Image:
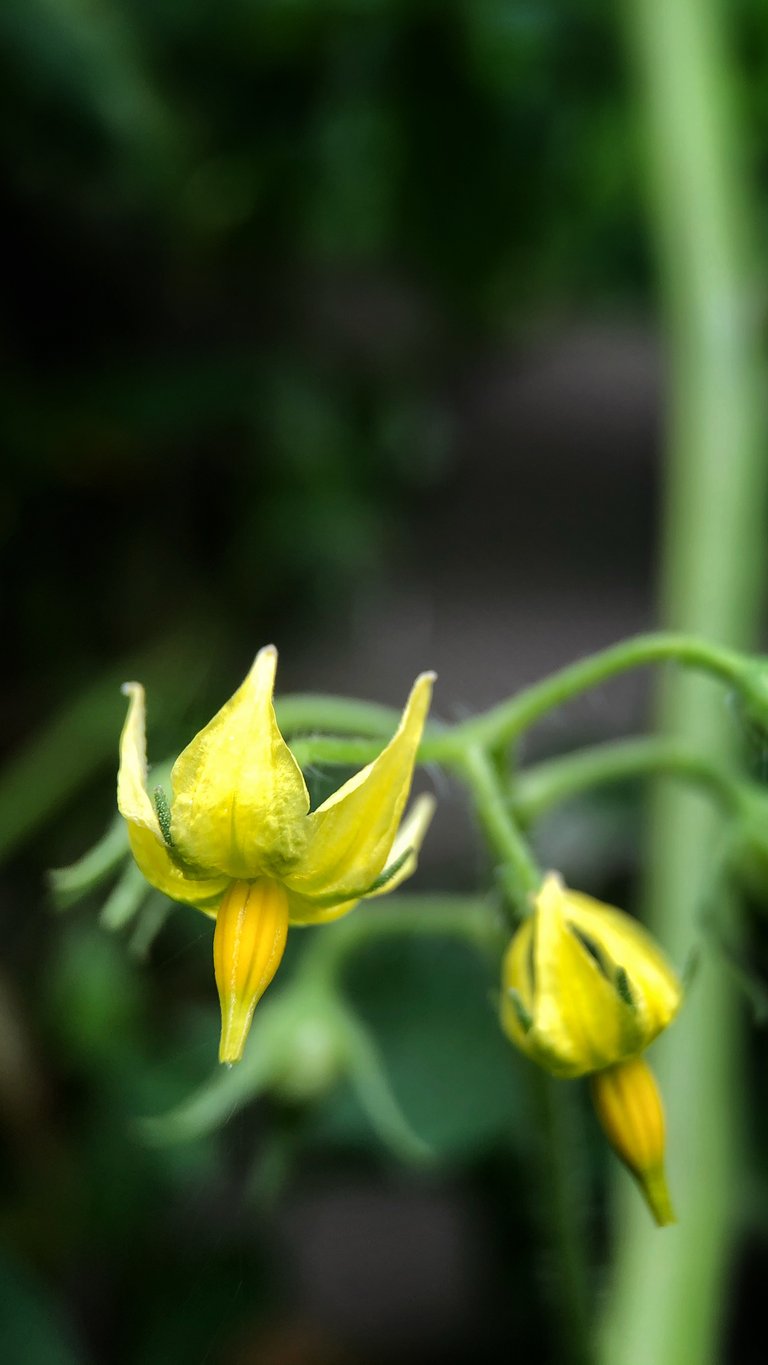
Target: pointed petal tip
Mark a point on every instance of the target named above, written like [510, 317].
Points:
[554, 881]
[425, 680]
[549, 893]
[426, 803]
[264, 666]
[418, 819]
[420, 696]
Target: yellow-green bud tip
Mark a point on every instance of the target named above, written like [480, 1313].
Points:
[628, 1104]
[656, 1194]
[248, 944]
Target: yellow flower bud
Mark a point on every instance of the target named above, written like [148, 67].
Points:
[628, 1105]
[584, 986]
[248, 944]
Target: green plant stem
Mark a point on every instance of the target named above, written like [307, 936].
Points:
[354, 753]
[536, 790]
[558, 1155]
[473, 919]
[555, 1152]
[666, 1304]
[518, 873]
[502, 724]
[306, 711]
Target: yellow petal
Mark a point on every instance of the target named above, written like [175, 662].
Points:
[305, 910]
[627, 944]
[147, 843]
[350, 837]
[410, 836]
[580, 1022]
[517, 1002]
[239, 797]
[407, 845]
[156, 864]
[248, 944]
[132, 797]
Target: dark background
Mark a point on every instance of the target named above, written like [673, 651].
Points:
[331, 324]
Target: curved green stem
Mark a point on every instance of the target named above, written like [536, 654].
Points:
[498, 727]
[307, 712]
[436, 747]
[336, 753]
[537, 790]
[504, 723]
[471, 918]
[519, 874]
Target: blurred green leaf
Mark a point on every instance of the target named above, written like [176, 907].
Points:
[33, 1327]
[94, 994]
[71, 884]
[83, 737]
[449, 1067]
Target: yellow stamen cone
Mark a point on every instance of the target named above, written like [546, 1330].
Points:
[628, 1104]
[248, 944]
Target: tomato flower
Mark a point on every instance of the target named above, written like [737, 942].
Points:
[238, 841]
[585, 991]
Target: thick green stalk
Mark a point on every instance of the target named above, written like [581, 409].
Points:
[667, 1300]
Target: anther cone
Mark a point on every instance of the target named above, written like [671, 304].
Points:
[628, 1104]
[248, 944]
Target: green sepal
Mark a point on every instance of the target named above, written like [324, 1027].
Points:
[163, 811]
[624, 989]
[524, 1019]
[71, 884]
[690, 969]
[389, 872]
[125, 900]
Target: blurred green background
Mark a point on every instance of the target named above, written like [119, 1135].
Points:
[331, 324]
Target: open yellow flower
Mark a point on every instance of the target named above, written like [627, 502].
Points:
[586, 990]
[238, 840]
